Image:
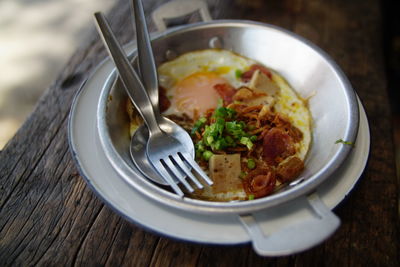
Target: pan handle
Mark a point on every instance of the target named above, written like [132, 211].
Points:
[179, 8]
[297, 237]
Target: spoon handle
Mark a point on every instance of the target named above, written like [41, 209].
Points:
[147, 65]
[129, 78]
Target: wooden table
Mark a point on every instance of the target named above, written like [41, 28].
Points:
[49, 216]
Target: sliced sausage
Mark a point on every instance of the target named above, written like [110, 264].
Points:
[260, 182]
[226, 92]
[277, 145]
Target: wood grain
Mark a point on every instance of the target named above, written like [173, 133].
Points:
[48, 215]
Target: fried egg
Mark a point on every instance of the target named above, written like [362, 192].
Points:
[190, 78]
[189, 81]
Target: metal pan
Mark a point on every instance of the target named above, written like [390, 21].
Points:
[307, 68]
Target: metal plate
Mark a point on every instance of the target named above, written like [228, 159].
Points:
[307, 68]
[133, 206]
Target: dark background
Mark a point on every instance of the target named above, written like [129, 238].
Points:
[391, 39]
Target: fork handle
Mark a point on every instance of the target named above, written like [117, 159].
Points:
[134, 87]
[147, 65]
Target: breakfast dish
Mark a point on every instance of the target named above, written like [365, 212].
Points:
[251, 130]
[107, 184]
[101, 149]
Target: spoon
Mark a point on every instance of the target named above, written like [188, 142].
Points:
[148, 74]
[168, 154]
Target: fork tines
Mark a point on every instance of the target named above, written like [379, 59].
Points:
[176, 167]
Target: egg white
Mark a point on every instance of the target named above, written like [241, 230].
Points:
[224, 63]
[295, 108]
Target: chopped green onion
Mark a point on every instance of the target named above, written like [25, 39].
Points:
[220, 144]
[207, 154]
[249, 145]
[199, 146]
[251, 197]
[247, 142]
[219, 126]
[224, 132]
[244, 140]
[344, 142]
[235, 129]
[209, 140]
[238, 74]
[231, 113]
[224, 113]
[242, 175]
[220, 113]
[251, 164]
[199, 124]
[229, 140]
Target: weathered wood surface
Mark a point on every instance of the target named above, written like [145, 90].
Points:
[48, 215]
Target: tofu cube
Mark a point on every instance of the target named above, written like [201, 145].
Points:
[225, 171]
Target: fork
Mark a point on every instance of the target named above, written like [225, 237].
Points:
[147, 71]
[167, 154]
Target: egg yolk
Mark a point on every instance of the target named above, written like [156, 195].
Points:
[195, 94]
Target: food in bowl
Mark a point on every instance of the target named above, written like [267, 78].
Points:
[251, 130]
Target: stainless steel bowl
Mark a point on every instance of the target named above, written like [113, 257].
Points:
[307, 68]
